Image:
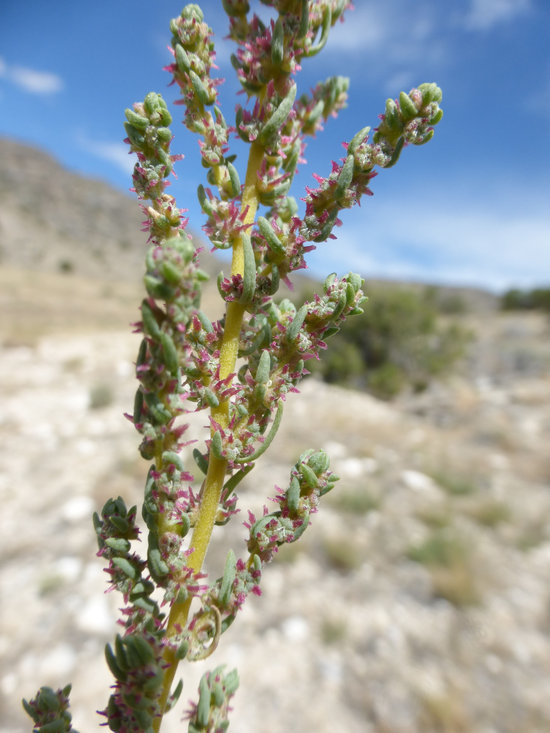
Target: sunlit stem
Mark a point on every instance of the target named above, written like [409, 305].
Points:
[215, 477]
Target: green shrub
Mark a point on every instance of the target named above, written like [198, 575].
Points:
[454, 483]
[401, 340]
[516, 299]
[356, 501]
[490, 513]
[342, 553]
[448, 557]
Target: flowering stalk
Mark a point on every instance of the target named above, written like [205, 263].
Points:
[238, 369]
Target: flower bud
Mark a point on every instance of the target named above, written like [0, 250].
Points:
[182, 59]
[309, 476]
[319, 462]
[430, 93]
[136, 120]
[407, 106]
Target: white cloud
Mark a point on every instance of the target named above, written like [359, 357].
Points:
[394, 39]
[33, 81]
[36, 82]
[539, 101]
[496, 247]
[116, 153]
[366, 28]
[484, 14]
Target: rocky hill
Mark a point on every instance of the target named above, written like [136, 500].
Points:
[54, 221]
[418, 600]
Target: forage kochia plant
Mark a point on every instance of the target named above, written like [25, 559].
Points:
[240, 368]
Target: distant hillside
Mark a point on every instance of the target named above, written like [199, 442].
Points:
[55, 221]
[52, 220]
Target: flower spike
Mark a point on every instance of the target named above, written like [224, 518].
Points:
[238, 370]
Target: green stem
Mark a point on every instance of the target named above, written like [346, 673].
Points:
[215, 477]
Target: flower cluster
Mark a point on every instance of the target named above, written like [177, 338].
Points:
[49, 710]
[239, 369]
[410, 120]
[209, 715]
[149, 137]
[267, 53]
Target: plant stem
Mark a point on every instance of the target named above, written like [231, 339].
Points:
[213, 483]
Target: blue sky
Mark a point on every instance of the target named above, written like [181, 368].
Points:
[471, 208]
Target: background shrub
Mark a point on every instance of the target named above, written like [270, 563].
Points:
[536, 299]
[401, 340]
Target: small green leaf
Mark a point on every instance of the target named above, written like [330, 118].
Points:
[264, 367]
[228, 579]
[345, 177]
[138, 406]
[170, 353]
[203, 708]
[157, 567]
[200, 90]
[112, 662]
[277, 43]
[135, 119]
[171, 457]
[309, 475]
[278, 118]
[200, 460]
[271, 238]
[126, 566]
[268, 438]
[296, 324]
[211, 398]
[150, 325]
[325, 28]
[204, 201]
[234, 178]
[118, 544]
[408, 107]
[249, 274]
[293, 496]
[216, 445]
[182, 59]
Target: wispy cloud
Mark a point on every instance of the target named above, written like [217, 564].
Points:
[393, 38]
[115, 153]
[539, 100]
[496, 247]
[485, 14]
[34, 81]
[400, 39]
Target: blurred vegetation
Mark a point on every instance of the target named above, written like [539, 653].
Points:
[455, 483]
[405, 338]
[341, 554]
[449, 558]
[356, 501]
[536, 299]
[101, 395]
